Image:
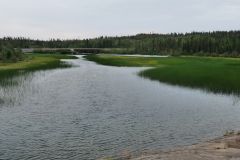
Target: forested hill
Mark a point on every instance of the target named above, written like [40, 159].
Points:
[220, 42]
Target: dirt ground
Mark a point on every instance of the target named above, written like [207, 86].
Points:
[225, 148]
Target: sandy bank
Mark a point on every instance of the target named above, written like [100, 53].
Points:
[225, 148]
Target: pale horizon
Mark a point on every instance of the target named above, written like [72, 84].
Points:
[74, 19]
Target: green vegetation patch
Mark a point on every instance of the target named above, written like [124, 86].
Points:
[33, 62]
[209, 73]
[116, 60]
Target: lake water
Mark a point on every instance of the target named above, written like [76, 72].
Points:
[92, 111]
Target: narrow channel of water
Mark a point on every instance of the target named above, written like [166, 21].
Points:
[91, 111]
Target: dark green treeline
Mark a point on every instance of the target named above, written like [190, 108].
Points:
[213, 43]
[9, 53]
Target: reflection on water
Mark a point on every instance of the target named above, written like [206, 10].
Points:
[234, 94]
[15, 84]
[218, 89]
[92, 111]
[13, 90]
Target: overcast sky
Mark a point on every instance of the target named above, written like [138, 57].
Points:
[67, 19]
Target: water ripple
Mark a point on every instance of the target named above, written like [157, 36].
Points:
[92, 111]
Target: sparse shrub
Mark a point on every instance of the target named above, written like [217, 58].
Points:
[8, 53]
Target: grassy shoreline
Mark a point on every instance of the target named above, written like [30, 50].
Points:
[33, 62]
[216, 74]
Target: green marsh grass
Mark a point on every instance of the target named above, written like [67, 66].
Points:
[33, 62]
[216, 74]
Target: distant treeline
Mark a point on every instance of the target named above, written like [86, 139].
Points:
[211, 43]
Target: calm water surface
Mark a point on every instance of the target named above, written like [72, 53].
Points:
[91, 111]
